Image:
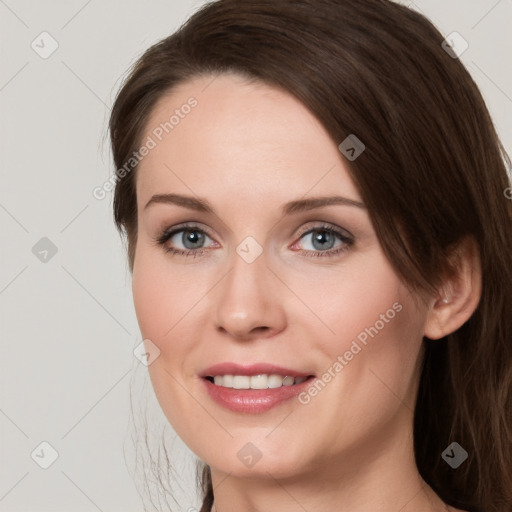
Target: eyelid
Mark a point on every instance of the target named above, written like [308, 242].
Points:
[320, 224]
[184, 227]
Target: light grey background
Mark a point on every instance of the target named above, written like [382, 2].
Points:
[68, 327]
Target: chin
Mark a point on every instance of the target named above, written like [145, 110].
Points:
[259, 460]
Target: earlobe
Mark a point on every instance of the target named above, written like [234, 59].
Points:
[458, 295]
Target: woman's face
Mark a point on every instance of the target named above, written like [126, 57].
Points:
[271, 276]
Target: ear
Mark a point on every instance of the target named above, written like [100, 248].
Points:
[459, 294]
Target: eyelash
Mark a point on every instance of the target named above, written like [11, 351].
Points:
[168, 234]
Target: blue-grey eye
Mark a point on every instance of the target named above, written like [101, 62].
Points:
[322, 239]
[190, 239]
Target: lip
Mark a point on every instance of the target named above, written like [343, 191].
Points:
[252, 401]
[249, 370]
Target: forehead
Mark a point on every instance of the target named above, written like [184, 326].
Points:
[222, 131]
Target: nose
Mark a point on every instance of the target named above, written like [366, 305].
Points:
[250, 302]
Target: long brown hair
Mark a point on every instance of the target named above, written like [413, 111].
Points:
[433, 172]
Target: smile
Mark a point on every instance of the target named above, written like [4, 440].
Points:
[262, 381]
[255, 388]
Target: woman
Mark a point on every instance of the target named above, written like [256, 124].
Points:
[313, 196]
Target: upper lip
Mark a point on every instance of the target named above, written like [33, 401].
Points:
[249, 370]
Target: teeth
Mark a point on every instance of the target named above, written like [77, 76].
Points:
[275, 381]
[288, 381]
[259, 382]
[256, 381]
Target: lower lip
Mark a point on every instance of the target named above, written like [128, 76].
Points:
[254, 401]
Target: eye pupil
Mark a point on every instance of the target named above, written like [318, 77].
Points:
[194, 237]
[325, 238]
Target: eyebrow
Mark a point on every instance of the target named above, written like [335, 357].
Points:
[300, 205]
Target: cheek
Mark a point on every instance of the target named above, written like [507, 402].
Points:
[379, 316]
[374, 340]
[162, 297]
[161, 303]
[351, 300]
[147, 291]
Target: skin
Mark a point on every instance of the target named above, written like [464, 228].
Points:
[248, 149]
